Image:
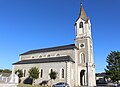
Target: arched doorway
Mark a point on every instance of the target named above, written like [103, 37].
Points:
[82, 77]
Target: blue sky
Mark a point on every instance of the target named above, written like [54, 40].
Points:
[34, 24]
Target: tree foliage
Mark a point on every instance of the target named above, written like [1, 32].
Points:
[34, 73]
[7, 71]
[1, 70]
[113, 66]
[53, 75]
[19, 73]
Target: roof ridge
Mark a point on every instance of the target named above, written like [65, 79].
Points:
[54, 46]
[50, 49]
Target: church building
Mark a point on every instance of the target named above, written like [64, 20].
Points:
[74, 63]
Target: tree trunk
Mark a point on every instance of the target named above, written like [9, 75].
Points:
[51, 82]
[33, 82]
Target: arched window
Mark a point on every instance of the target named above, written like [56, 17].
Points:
[33, 57]
[41, 73]
[82, 56]
[48, 55]
[57, 54]
[40, 56]
[51, 70]
[24, 73]
[62, 73]
[81, 25]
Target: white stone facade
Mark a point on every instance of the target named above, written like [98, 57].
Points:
[79, 69]
[46, 70]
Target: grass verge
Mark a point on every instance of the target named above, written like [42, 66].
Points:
[27, 85]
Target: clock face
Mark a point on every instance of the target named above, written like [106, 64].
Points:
[81, 45]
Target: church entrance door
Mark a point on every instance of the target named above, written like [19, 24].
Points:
[82, 77]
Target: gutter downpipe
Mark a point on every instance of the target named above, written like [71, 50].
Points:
[66, 71]
[87, 73]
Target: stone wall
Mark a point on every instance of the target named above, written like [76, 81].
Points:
[52, 54]
[56, 66]
[8, 85]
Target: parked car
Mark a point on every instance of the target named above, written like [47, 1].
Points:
[118, 85]
[61, 84]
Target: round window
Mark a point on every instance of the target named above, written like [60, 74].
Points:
[81, 45]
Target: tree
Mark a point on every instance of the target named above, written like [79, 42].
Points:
[1, 70]
[34, 73]
[19, 73]
[53, 75]
[7, 71]
[113, 66]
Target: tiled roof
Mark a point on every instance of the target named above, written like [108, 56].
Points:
[46, 60]
[65, 47]
[101, 74]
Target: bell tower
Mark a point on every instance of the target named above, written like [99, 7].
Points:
[84, 51]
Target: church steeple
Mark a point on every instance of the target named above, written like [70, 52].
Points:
[83, 25]
[82, 14]
[84, 51]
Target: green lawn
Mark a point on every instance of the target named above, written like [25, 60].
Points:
[27, 85]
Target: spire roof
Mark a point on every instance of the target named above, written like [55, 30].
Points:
[82, 14]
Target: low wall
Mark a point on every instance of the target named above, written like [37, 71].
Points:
[8, 85]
